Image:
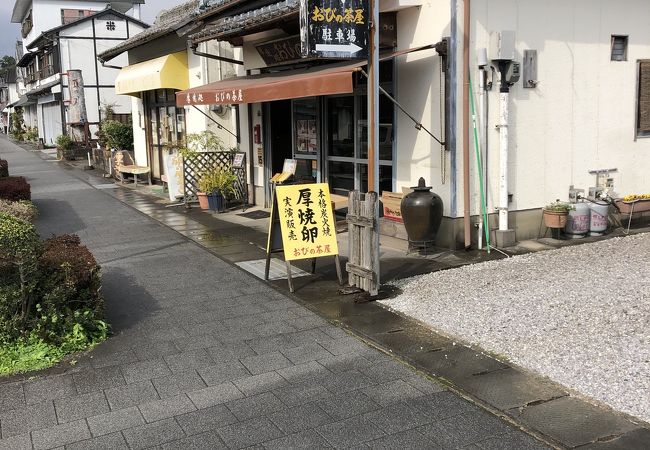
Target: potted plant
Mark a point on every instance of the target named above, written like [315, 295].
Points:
[214, 186]
[64, 146]
[555, 214]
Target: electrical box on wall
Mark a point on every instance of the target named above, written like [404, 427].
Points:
[502, 45]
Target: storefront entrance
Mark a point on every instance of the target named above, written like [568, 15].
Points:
[166, 127]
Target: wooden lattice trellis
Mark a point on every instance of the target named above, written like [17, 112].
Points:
[195, 166]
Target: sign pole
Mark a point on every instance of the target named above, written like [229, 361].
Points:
[373, 113]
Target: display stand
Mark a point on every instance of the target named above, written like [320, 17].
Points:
[275, 243]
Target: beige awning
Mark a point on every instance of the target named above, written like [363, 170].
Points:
[166, 72]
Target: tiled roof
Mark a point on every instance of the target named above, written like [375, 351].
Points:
[166, 22]
[247, 21]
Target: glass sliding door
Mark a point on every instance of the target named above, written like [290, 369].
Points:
[167, 127]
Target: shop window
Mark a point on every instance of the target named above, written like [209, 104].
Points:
[643, 99]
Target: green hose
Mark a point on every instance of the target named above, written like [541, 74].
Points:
[480, 168]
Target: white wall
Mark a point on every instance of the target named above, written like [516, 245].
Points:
[418, 90]
[47, 14]
[582, 114]
[139, 133]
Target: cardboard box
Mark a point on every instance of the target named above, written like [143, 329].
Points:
[391, 202]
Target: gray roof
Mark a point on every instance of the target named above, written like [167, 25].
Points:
[248, 21]
[166, 22]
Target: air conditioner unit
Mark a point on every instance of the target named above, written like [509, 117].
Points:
[220, 110]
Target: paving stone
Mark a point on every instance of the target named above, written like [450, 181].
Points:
[19, 442]
[397, 417]
[392, 392]
[145, 370]
[423, 384]
[205, 341]
[385, 371]
[343, 345]
[131, 394]
[178, 383]
[462, 430]
[269, 329]
[257, 384]
[521, 441]
[155, 349]
[230, 351]
[191, 359]
[48, 389]
[300, 418]
[222, 372]
[115, 421]
[635, 439]
[11, 396]
[60, 435]
[304, 372]
[306, 440]
[309, 352]
[153, 434]
[346, 405]
[96, 380]
[271, 344]
[410, 439]
[169, 407]
[25, 419]
[343, 363]
[442, 405]
[74, 408]
[257, 405]
[265, 363]
[345, 433]
[205, 419]
[511, 388]
[209, 440]
[574, 422]
[113, 441]
[215, 395]
[297, 394]
[114, 359]
[346, 381]
[251, 432]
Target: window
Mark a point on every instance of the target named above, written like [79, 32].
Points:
[619, 48]
[72, 15]
[643, 99]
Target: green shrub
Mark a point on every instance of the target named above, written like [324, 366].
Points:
[31, 134]
[4, 168]
[19, 249]
[117, 135]
[17, 131]
[23, 209]
[15, 189]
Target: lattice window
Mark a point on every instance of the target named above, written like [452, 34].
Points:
[195, 166]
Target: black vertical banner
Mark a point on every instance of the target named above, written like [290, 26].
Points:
[334, 28]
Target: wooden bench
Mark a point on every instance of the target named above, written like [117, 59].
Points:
[124, 164]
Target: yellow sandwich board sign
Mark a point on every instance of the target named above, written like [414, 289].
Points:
[306, 221]
[302, 226]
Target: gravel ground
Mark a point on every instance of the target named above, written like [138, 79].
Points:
[579, 315]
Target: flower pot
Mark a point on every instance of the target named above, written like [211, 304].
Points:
[216, 202]
[554, 219]
[203, 200]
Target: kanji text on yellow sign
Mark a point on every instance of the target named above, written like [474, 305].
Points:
[306, 221]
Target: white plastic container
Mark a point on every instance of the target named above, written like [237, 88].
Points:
[577, 225]
[598, 219]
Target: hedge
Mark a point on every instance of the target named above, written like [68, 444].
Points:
[15, 189]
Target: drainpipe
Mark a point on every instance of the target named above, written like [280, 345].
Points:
[466, 137]
[483, 114]
[503, 144]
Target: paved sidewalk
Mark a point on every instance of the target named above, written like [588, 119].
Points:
[206, 356]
